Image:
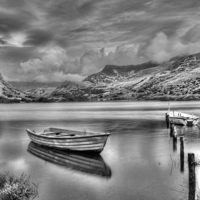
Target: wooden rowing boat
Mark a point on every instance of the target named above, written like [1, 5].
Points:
[65, 139]
[182, 118]
[88, 163]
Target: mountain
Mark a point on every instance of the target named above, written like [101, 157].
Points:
[113, 73]
[112, 83]
[180, 81]
[177, 79]
[75, 91]
[33, 85]
[38, 89]
[9, 94]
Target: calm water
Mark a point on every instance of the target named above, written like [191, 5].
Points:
[139, 161]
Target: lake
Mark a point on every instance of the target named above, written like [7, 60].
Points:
[139, 160]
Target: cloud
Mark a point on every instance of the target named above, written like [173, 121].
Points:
[192, 35]
[91, 62]
[72, 39]
[94, 61]
[14, 54]
[161, 48]
[3, 42]
[54, 62]
[38, 37]
[126, 54]
[14, 20]
[70, 10]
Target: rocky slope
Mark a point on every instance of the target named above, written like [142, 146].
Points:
[77, 91]
[96, 86]
[36, 88]
[9, 94]
[177, 79]
[113, 73]
[180, 81]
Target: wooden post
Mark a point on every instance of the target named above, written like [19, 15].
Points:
[192, 179]
[171, 129]
[167, 119]
[182, 154]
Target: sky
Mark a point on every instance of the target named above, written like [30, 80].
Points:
[59, 40]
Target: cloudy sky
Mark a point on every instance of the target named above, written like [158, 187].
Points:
[58, 40]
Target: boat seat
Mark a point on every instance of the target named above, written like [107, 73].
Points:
[58, 134]
[65, 134]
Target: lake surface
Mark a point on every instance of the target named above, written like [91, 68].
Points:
[139, 160]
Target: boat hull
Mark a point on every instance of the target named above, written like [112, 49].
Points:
[74, 142]
[183, 119]
[178, 121]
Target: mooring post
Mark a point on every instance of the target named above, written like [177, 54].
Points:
[192, 179]
[167, 119]
[171, 129]
[182, 154]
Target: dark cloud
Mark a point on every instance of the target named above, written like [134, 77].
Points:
[14, 20]
[38, 37]
[13, 4]
[192, 35]
[81, 30]
[73, 38]
[71, 9]
[180, 4]
[15, 54]
[2, 41]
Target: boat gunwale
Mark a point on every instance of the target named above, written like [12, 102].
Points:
[174, 117]
[182, 116]
[68, 137]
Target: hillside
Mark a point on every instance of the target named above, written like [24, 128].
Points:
[76, 91]
[177, 79]
[113, 73]
[33, 85]
[180, 81]
[9, 94]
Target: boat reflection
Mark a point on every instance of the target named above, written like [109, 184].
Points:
[84, 162]
[188, 131]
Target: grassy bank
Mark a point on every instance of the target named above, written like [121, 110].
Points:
[17, 188]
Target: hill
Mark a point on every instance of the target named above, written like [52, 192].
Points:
[177, 79]
[10, 94]
[112, 73]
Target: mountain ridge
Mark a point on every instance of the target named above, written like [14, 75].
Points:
[169, 80]
[119, 72]
[176, 79]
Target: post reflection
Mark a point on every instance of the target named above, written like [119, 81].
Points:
[84, 162]
[174, 144]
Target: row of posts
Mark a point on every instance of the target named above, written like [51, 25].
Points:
[191, 159]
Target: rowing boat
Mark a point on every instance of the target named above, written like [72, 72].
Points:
[182, 118]
[65, 139]
[83, 162]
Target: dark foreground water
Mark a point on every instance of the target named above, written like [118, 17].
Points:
[139, 161]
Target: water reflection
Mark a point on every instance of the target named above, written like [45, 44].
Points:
[190, 131]
[145, 162]
[84, 162]
[174, 144]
